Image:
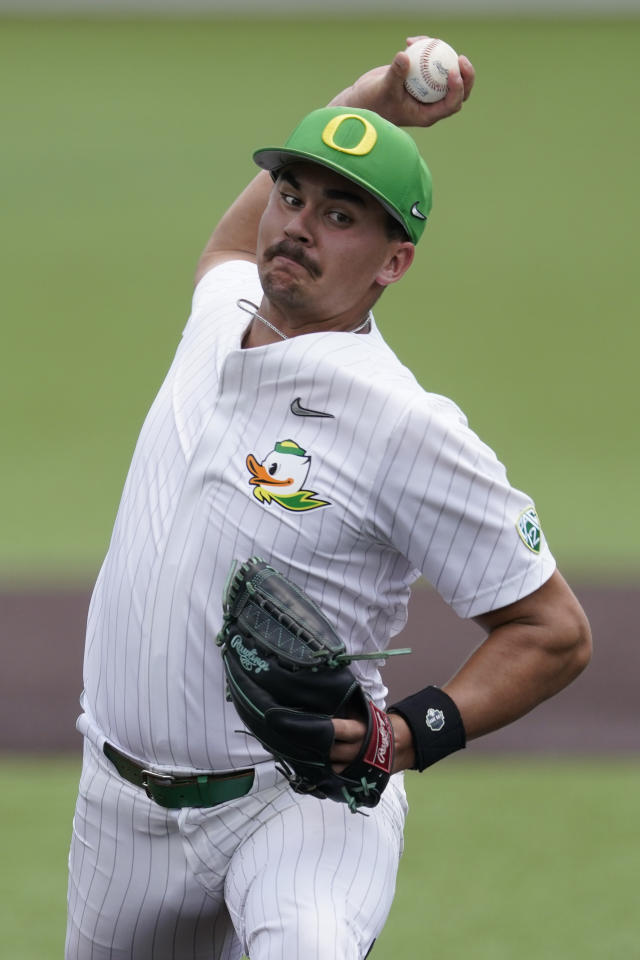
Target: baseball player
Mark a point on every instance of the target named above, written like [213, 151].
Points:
[286, 428]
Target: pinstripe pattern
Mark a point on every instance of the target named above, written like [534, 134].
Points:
[407, 489]
[132, 892]
[411, 490]
[291, 872]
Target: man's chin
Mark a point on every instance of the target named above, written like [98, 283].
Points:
[280, 288]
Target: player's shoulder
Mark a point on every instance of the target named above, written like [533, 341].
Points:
[370, 370]
[438, 406]
[214, 258]
[385, 372]
[367, 357]
[223, 278]
[217, 292]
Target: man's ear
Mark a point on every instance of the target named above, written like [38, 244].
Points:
[398, 262]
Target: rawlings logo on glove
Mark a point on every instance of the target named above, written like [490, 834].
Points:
[249, 659]
[288, 675]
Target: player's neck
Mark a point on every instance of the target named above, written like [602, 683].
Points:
[271, 325]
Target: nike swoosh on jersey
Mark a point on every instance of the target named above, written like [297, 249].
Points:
[300, 411]
[416, 212]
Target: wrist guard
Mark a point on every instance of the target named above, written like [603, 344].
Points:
[435, 723]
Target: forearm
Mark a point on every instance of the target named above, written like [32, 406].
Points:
[533, 649]
[515, 669]
[506, 677]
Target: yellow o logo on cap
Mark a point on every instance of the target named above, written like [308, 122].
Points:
[367, 142]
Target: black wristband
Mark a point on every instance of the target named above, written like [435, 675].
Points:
[435, 723]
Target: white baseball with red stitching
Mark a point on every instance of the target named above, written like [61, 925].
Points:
[431, 60]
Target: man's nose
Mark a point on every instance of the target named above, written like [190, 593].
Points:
[298, 227]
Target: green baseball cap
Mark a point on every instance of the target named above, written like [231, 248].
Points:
[363, 147]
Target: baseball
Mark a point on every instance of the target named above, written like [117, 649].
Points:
[431, 60]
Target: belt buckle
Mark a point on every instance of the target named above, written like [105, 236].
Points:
[150, 779]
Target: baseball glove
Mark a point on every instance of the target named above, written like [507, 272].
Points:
[288, 675]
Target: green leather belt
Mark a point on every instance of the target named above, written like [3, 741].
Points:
[175, 792]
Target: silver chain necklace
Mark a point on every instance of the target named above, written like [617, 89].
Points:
[251, 309]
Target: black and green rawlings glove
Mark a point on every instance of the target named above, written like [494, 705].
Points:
[288, 675]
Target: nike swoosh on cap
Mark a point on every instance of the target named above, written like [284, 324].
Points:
[416, 212]
[300, 411]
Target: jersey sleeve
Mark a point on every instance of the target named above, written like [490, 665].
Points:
[443, 500]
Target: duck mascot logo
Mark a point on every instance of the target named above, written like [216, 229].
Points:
[281, 477]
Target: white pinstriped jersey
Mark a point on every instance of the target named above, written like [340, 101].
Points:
[354, 505]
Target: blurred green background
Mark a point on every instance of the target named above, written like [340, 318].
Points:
[122, 144]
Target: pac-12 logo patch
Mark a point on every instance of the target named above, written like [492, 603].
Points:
[281, 477]
[528, 527]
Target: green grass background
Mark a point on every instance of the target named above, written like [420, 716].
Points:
[503, 859]
[123, 142]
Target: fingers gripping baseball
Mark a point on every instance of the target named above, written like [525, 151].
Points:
[467, 71]
[382, 89]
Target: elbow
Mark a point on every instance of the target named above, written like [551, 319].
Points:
[583, 647]
[573, 643]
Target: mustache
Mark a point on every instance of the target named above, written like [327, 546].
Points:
[293, 250]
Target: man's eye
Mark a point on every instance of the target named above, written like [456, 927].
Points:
[339, 217]
[290, 200]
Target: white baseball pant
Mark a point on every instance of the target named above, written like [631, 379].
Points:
[273, 874]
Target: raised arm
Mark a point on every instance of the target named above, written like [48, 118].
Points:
[380, 89]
